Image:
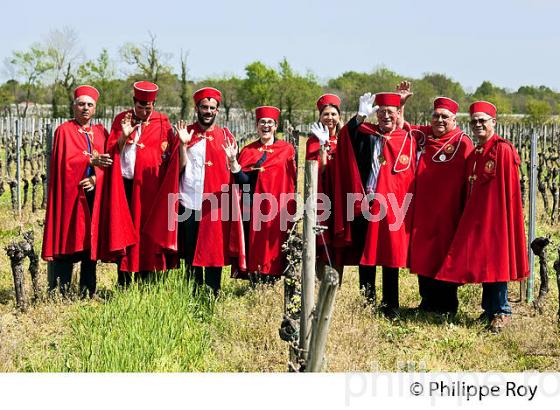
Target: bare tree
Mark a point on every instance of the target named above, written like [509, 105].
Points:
[64, 56]
[149, 61]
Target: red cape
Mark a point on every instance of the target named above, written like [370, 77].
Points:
[325, 186]
[142, 255]
[385, 244]
[489, 244]
[214, 229]
[439, 199]
[70, 226]
[278, 176]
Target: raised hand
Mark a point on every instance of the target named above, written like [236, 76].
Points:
[366, 107]
[231, 150]
[405, 91]
[126, 124]
[321, 132]
[88, 183]
[181, 130]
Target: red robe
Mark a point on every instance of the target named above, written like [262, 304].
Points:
[213, 231]
[277, 176]
[324, 186]
[439, 199]
[385, 245]
[70, 226]
[489, 244]
[155, 137]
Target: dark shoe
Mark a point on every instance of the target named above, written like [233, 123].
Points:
[499, 322]
[389, 312]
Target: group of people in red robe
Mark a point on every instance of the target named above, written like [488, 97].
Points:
[422, 198]
[148, 194]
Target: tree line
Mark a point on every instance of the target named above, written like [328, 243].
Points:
[49, 70]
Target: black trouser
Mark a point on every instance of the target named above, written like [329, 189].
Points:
[390, 286]
[62, 273]
[211, 276]
[125, 278]
[62, 266]
[438, 296]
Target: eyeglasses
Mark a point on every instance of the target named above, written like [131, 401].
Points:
[264, 123]
[474, 122]
[383, 113]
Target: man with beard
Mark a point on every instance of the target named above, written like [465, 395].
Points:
[439, 200]
[76, 172]
[489, 245]
[198, 171]
[376, 160]
[138, 140]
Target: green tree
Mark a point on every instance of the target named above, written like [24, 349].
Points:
[538, 111]
[30, 68]
[101, 73]
[259, 86]
[230, 86]
[349, 87]
[296, 92]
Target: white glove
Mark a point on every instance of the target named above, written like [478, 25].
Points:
[321, 132]
[366, 107]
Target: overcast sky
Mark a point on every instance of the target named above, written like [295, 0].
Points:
[509, 43]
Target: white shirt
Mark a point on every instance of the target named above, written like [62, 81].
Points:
[191, 185]
[128, 155]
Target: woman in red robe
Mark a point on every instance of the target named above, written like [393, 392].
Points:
[266, 171]
[321, 146]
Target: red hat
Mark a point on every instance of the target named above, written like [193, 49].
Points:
[145, 91]
[207, 92]
[267, 112]
[483, 106]
[392, 99]
[327, 99]
[86, 90]
[447, 103]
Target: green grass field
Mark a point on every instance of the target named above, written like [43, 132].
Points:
[162, 327]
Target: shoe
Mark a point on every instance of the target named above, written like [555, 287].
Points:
[499, 322]
[389, 312]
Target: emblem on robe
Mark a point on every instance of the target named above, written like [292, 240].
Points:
[403, 159]
[489, 166]
[450, 149]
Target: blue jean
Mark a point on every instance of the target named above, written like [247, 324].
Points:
[494, 299]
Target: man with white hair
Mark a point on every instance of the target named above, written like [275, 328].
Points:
[376, 160]
[439, 200]
[489, 245]
[76, 169]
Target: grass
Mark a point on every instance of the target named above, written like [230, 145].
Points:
[163, 328]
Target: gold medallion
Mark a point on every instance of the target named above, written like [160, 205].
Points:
[489, 166]
[403, 159]
[449, 149]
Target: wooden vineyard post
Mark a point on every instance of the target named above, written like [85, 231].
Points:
[532, 215]
[309, 253]
[322, 320]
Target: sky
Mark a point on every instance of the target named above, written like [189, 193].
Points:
[510, 43]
